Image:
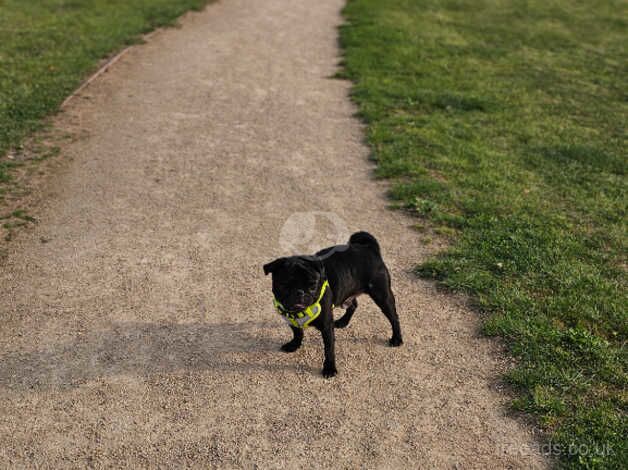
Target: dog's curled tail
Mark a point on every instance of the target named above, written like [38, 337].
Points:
[364, 238]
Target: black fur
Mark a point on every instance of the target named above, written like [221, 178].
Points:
[353, 269]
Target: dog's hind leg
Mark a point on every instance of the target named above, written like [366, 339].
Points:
[295, 343]
[382, 295]
[343, 321]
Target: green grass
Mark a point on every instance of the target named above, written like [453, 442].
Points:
[48, 46]
[502, 124]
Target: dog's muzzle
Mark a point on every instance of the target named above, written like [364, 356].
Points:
[306, 316]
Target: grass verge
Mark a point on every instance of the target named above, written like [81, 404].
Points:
[502, 123]
[48, 46]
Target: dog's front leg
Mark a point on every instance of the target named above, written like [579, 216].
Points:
[326, 328]
[295, 343]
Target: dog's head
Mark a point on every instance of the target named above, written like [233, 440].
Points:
[297, 280]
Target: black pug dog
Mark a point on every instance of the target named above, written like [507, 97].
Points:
[335, 276]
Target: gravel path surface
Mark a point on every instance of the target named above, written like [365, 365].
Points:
[142, 333]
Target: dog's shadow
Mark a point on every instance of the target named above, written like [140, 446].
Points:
[144, 349]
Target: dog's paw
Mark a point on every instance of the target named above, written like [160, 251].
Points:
[329, 372]
[340, 323]
[290, 347]
[395, 342]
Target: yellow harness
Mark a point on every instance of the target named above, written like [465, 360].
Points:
[303, 318]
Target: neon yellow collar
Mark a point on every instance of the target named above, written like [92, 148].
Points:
[303, 318]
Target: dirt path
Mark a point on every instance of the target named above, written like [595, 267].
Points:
[142, 331]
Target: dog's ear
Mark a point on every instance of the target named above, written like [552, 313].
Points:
[273, 265]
